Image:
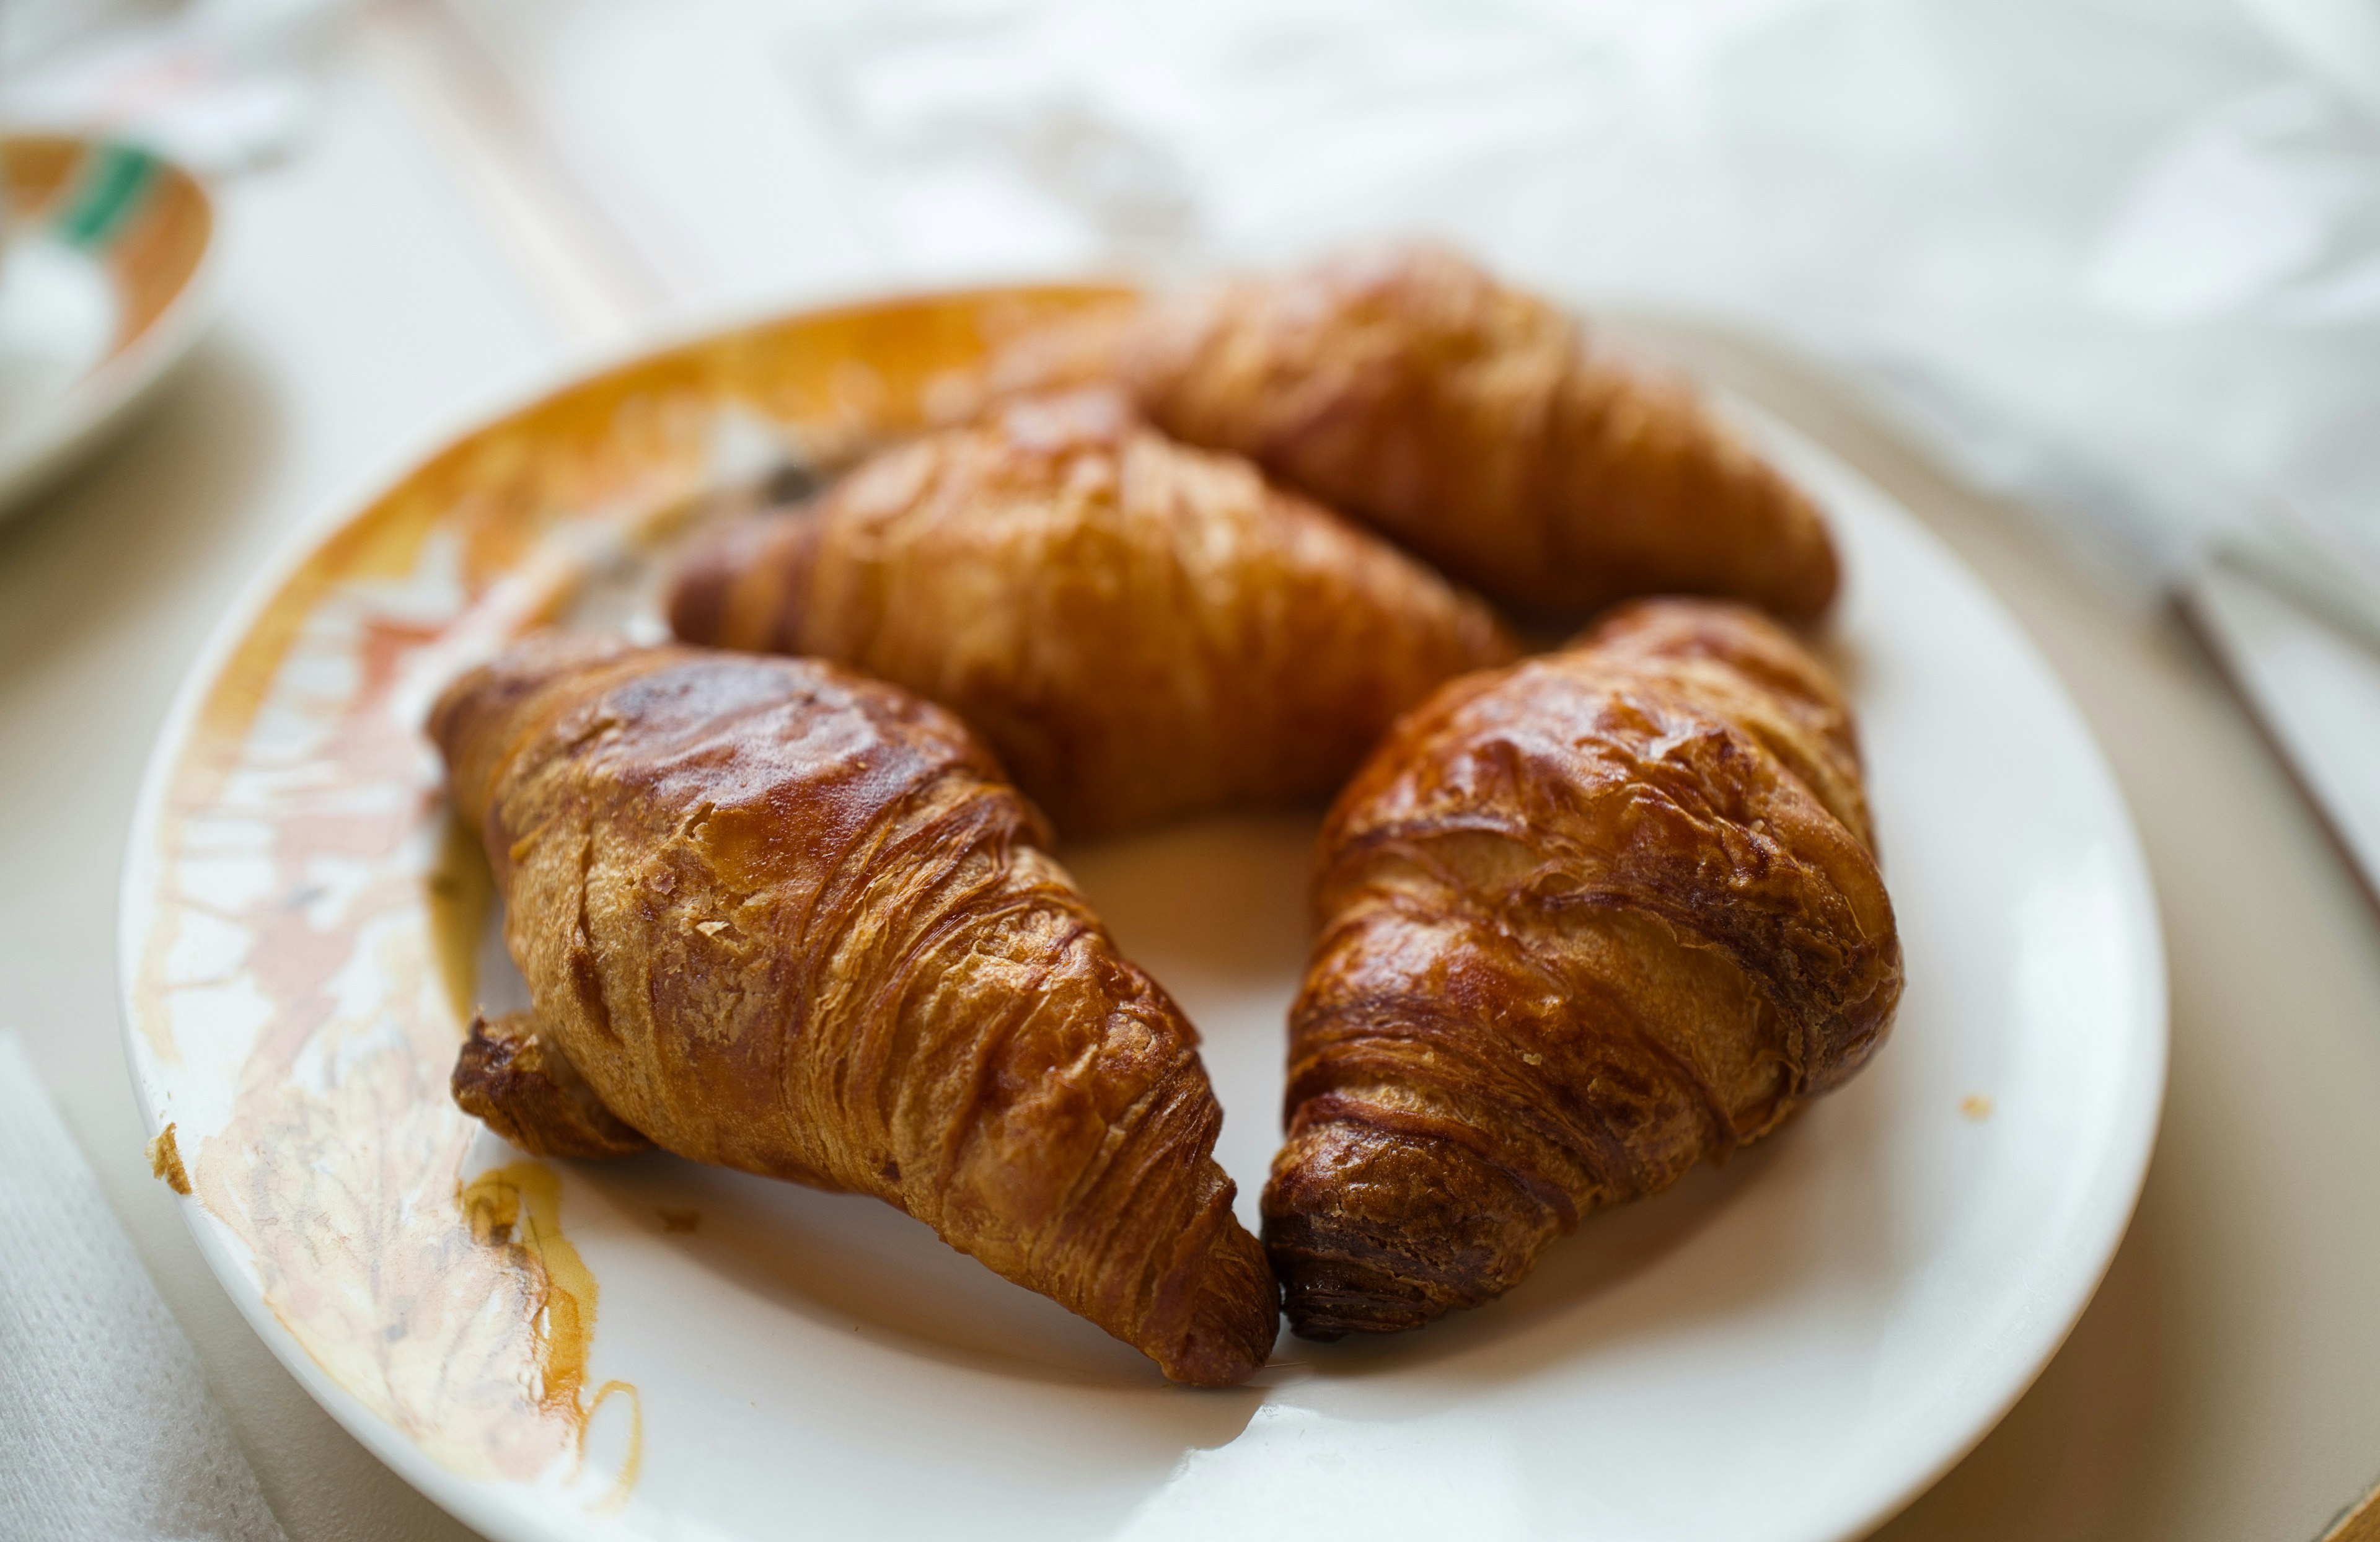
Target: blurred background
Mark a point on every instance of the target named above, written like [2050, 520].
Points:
[2093, 284]
[2121, 256]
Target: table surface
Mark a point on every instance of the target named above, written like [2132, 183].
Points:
[2226, 1381]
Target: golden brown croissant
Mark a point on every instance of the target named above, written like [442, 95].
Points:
[1474, 422]
[1140, 629]
[781, 917]
[1585, 922]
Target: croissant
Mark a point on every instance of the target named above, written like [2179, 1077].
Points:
[1585, 922]
[781, 917]
[1478, 425]
[1140, 629]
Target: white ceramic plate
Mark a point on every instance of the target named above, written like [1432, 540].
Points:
[103, 287]
[1787, 1348]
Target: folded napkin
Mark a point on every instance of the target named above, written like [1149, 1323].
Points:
[106, 1430]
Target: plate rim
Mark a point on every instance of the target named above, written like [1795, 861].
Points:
[2075, 1279]
[2139, 1113]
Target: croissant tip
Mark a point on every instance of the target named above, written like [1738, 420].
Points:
[1234, 1319]
[520, 1084]
[704, 583]
[1377, 1231]
[748, 585]
[1213, 1365]
[698, 600]
[1328, 1298]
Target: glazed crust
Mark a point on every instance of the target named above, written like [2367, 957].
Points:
[1478, 425]
[781, 917]
[1140, 629]
[1585, 922]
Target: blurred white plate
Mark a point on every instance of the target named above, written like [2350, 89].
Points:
[102, 291]
[1787, 1348]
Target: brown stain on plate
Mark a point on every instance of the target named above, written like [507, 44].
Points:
[166, 1162]
[312, 914]
[632, 1461]
[519, 1207]
[461, 896]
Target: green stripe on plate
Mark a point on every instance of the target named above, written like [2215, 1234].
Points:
[114, 178]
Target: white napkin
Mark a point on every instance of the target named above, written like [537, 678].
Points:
[106, 1429]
